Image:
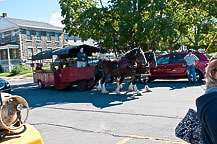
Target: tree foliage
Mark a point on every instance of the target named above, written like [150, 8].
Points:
[121, 25]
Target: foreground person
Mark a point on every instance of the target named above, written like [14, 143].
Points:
[207, 104]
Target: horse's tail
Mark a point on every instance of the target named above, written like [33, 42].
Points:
[98, 72]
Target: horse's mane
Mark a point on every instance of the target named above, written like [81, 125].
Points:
[127, 54]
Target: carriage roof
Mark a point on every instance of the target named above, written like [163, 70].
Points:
[66, 52]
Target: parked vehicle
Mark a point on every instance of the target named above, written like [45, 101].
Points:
[5, 86]
[172, 66]
[66, 75]
[160, 53]
[93, 60]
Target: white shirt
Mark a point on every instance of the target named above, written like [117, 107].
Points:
[190, 59]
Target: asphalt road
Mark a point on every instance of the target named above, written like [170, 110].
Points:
[74, 117]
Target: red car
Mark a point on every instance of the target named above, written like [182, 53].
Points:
[173, 66]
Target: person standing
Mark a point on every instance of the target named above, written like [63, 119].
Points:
[207, 104]
[191, 60]
[82, 58]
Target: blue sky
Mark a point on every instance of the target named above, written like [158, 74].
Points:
[37, 10]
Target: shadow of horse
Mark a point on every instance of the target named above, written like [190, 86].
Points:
[49, 96]
[174, 84]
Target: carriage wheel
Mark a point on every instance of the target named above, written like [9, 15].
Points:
[40, 85]
[82, 85]
[90, 83]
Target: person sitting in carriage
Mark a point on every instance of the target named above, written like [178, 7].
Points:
[52, 67]
[38, 67]
[66, 64]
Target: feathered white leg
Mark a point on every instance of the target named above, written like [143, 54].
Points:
[121, 87]
[147, 89]
[130, 88]
[117, 90]
[136, 90]
[99, 87]
[104, 91]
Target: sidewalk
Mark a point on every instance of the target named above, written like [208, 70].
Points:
[15, 78]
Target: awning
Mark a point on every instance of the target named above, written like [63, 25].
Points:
[66, 52]
[43, 55]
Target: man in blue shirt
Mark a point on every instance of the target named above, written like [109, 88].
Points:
[82, 58]
[191, 60]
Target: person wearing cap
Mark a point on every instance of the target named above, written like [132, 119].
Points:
[207, 104]
[82, 58]
[191, 60]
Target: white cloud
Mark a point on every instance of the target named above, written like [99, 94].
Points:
[56, 19]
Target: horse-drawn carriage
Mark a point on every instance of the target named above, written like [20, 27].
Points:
[63, 77]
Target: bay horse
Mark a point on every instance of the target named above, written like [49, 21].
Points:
[144, 72]
[124, 67]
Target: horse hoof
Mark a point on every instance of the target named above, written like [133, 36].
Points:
[98, 89]
[118, 92]
[138, 94]
[105, 92]
[148, 90]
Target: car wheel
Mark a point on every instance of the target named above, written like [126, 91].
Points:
[148, 79]
[198, 75]
[40, 85]
[140, 79]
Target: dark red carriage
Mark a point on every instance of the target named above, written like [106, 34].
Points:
[64, 77]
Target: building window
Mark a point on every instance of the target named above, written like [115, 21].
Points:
[38, 35]
[49, 48]
[14, 53]
[48, 36]
[4, 54]
[57, 37]
[39, 50]
[13, 38]
[28, 34]
[3, 37]
[30, 53]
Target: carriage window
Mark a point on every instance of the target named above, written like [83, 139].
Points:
[163, 60]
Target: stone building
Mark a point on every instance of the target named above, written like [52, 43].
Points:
[20, 39]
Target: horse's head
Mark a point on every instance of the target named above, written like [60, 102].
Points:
[151, 58]
[137, 55]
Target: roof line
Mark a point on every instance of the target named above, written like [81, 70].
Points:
[11, 22]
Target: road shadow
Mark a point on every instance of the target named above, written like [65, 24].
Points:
[50, 96]
[174, 84]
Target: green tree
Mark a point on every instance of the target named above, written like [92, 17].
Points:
[122, 25]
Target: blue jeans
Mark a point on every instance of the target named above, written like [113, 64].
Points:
[191, 70]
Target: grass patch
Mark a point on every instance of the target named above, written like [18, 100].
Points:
[5, 74]
[29, 75]
[19, 70]
[25, 72]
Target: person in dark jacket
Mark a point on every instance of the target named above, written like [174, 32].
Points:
[207, 104]
[82, 58]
